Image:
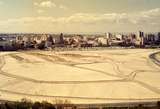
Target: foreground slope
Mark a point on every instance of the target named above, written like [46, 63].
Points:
[104, 76]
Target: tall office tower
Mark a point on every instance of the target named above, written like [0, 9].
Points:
[61, 37]
[140, 38]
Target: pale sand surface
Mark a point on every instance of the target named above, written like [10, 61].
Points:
[103, 76]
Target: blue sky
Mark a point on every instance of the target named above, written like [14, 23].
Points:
[79, 15]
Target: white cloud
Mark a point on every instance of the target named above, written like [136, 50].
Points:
[146, 17]
[63, 7]
[45, 4]
[90, 21]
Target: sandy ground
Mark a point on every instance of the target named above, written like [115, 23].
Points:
[158, 57]
[105, 76]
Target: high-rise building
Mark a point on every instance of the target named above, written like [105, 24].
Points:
[140, 35]
[108, 38]
[140, 38]
[158, 36]
[61, 37]
[108, 35]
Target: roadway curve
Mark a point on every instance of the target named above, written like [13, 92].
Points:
[154, 59]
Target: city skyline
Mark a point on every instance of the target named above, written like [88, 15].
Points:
[49, 16]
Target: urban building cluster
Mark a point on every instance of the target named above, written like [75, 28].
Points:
[50, 41]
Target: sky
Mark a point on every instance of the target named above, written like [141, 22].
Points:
[79, 16]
